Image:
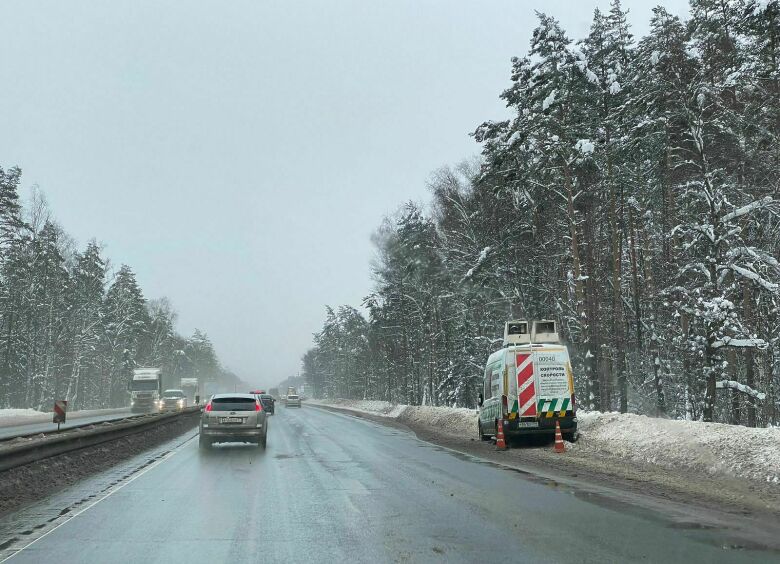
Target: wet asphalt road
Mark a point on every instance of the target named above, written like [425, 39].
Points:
[37, 426]
[333, 488]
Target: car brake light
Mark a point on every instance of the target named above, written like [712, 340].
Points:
[208, 406]
[258, 407]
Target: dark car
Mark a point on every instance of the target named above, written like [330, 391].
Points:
[268, 402]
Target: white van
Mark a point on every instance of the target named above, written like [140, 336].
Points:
[528, 384]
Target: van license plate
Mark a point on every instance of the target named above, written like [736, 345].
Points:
[528, 424]
[231, 420]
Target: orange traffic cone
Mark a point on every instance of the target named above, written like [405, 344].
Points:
[559, 446]
[500, 442]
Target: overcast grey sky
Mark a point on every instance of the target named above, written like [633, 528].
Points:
[238, 155]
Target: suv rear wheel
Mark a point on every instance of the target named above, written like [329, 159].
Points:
[203, 442]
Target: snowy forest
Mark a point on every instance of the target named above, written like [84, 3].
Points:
[632, 195]
[73, 328]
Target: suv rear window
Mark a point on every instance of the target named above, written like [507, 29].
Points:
[292, 397]
[233, 404]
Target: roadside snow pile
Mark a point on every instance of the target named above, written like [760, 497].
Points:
[455, 421]
[375, 407]
[458, 422]
[706, 448]
[19, 412]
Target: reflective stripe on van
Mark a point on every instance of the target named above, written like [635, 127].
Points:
[526, 389]
[550, 407]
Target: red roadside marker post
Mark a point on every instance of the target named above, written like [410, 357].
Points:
[60, 412]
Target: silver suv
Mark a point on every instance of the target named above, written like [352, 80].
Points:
[293, 401]
[231, 418]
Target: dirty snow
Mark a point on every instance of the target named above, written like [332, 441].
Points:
[707, 449]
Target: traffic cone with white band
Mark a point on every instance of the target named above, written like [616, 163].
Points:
[559, 446]
[500, 442]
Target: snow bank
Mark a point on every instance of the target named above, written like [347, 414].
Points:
[706, 449]
[374, 407]
[459, 422]
[19, 412]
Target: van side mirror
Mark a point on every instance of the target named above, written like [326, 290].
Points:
[480, 399]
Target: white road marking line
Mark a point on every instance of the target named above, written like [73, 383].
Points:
[108, 494]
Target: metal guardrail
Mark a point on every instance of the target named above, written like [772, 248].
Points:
[34, 447]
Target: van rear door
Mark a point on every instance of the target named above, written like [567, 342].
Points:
[554, 381]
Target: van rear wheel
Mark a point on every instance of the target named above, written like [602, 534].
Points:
[482, 436]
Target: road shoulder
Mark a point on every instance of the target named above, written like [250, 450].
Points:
[619, 480]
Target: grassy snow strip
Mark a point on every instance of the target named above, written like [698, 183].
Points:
[708, 449]
[13, 412]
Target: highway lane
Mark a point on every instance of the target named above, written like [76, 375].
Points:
[44, 425]
[334, 488]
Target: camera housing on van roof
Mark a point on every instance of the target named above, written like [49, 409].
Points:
[524, 332]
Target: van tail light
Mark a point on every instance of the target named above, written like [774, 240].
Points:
[208, 406]
[504, 406]
[258, 407]
[573, 404]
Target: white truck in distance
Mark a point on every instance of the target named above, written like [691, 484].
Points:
[528, 384]
[190, 388]
[145, 390]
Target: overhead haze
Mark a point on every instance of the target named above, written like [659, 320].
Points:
[239, 155]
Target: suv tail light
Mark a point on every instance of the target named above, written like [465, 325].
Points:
[208, 406]
[258, 407]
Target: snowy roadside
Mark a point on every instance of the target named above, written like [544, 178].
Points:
[13, 417]
[711, 450]
[12, 412]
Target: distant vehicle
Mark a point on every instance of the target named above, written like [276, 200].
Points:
[230, 418]
[268, 401]
[291, 391]
[173, 400]
[528, 384]
[145, 390]
[190, 388]
[293, 401]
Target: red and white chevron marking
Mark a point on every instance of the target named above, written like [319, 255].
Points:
[526, 390]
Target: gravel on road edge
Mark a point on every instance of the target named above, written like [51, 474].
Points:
[32, 482]
[736, 497]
